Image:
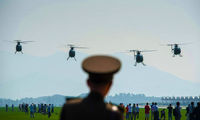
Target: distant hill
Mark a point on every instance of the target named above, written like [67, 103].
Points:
[58, 100]
[22, 75]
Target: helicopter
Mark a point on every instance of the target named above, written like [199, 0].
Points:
[138, 56]
[19, 46]
[72, 52]
[175, 49]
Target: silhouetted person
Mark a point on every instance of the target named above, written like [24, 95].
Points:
[197, 112]
[20, 107]
[45, 108]
[170, 110]
[177, 111]
[188, 112]
[39, 108]
[26, 109]
[152, 111]
[52, 108]
[12, 107]
[191, 111]
[34, 108]
[137, 111]
[147, 109]
[23, 107]
[101, 70]
[127, 115]
[31, 107]
[156, 112]
[129, 111]
[49, 110]
[6, 107]
[162, 112]
[133, 112]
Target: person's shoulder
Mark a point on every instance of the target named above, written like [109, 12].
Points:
[73, 101]
[115, 110]
[69, 108]
[112, 107]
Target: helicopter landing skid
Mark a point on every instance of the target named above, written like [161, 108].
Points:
[143, 64]
[74, 58]
[20, 51]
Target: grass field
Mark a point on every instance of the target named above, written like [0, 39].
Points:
[17, 115]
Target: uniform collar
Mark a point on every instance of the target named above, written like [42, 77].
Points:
[96, 96]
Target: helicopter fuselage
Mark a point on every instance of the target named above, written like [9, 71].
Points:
[139, 58]
[177, 50]
[71, 53]
[18, 47]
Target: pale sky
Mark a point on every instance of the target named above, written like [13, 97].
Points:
[107, 27]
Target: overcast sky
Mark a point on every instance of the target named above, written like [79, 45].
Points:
[107, 27]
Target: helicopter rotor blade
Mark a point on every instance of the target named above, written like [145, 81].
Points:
[26, 42]
[148, 50]
[167, 44]
[81, 47]
[17, 40]
[185, 43]
[132, 50]
[10, 41]
[176, 44]
[70, 45]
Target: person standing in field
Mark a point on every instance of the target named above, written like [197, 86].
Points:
[156, 112]
[31, 107]
[133, 112]
[20, 107]
[52, 108]
[101, 70]
[147, 109]
[191, 111]
[6, 107]
[127, 113]
[152, 111]
[177, 111]
[12, 107]
[34, 107]
[162, 112]
[45, 108]
[170, 108]
[137, 111]
[23, 107]
[197, 112]
[49, 110]
[26, 109]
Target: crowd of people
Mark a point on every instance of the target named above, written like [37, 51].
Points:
[41, 108]
[152, 112]
[132, 111]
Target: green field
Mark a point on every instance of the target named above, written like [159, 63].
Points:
[17, 115]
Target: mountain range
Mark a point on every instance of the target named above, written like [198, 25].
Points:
[59, 100]
[23, 75]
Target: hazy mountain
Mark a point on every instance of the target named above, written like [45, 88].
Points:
[23, 75]
[59, 100]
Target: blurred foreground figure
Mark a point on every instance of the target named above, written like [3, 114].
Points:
[101, 70]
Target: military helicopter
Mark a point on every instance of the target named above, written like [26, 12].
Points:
[138, 56]
[175, 49]
[72, 52]
[19, 46]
